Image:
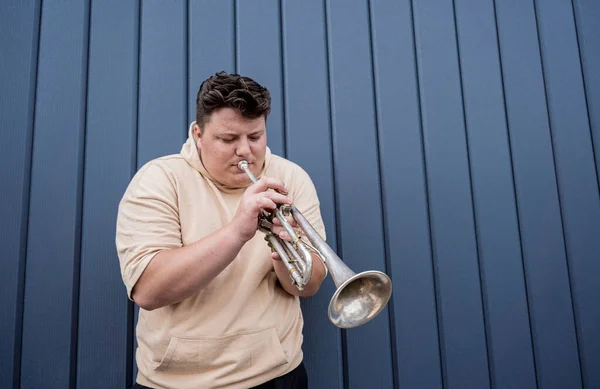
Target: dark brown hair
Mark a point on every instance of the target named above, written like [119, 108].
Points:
[223, 90]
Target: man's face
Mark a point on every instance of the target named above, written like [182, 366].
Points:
[228, 138]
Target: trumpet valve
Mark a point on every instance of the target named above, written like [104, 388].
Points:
[264, 223]
[286, 209]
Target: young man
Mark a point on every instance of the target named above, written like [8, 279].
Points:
[218, 309]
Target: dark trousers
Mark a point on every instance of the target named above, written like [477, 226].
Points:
[295, 379]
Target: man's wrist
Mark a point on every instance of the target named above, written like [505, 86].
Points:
[236, 233]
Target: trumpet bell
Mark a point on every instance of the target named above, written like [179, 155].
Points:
[359, 299]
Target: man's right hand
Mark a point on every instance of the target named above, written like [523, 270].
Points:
[258, 196]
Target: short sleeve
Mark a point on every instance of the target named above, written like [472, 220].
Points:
[147, 222]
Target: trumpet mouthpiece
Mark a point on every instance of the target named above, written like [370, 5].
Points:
[243, 165]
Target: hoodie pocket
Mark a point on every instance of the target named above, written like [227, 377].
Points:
[258, 351]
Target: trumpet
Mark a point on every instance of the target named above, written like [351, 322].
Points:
[358, 297]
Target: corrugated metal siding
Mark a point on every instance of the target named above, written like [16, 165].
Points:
[454, 145]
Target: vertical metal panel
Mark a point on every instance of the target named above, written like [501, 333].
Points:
[404, 187]
[163, 79]
[309, 144]
[110, 141]
[211, 36]
[19, 28]
[464, 353]
[357, 183]
[258, 29]
[587, 14]
[52, 274]
[551, 312]
[507, 318]
[576, 173]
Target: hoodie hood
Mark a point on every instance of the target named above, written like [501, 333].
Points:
[192, 155]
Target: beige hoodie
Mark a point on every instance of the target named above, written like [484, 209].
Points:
[242, 329]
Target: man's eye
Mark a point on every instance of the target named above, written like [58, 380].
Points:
[227, 140]
[254, 138]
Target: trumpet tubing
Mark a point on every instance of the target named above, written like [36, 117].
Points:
[358, 297]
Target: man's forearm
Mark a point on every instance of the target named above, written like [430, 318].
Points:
[318, 274]
[174, 275]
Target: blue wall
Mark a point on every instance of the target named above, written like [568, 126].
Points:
[454, 144]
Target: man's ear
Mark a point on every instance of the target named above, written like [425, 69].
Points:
[197, 135]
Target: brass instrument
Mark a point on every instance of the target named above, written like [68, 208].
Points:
[358, 297]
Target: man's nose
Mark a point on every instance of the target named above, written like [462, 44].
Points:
[243, 147]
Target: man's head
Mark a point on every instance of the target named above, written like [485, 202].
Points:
[231, 112]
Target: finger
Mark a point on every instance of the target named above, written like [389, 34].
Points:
[277, 197]
[290, 220]
[280, 232]
[284, 235]
[265, 203]
[266, 183]
[275, 256]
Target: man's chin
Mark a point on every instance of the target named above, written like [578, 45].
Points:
[239, 180]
